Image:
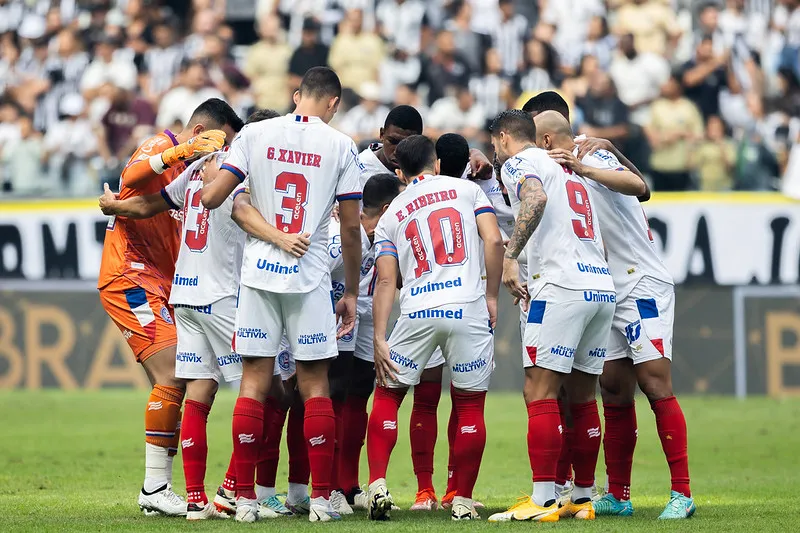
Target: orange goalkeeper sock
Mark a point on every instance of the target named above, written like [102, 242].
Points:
[161, 420]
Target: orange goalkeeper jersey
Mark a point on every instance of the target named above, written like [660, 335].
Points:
[144, 251]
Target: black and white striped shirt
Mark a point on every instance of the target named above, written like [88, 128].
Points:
[509, 40]
[487, 91]
[163, 64]
[66, 73]
[534, 80]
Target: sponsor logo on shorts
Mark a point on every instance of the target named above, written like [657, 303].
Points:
[468, 429]
[230, 359]
[460, 368]
[188, 357]
[457, 314]
[433, 286]
[598, 352]
[563, 351]
[277, 267]
[283, 360]
[316, 441]
[403, 360]
[187, 443]
[313, 338]
[185, 281]
[591, 269]
[165, 315]
[593, 433]
[154, 406]
[390, 425]
[252, 333]
[633, 330]
[246, 438]
[602, 297]
[366, 265]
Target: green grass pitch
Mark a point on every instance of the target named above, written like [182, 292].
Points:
[73, 461]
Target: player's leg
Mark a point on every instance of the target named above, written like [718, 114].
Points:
[340, 376]
[412, 342]
[423, 432]
[564, 467]
[275, 410]
[655, 302]
[297, 499]
[355, 420]
[452, 425]
[258, 318]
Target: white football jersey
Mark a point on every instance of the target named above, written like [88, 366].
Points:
[431, 228]
[504, 213]
[368, 272]
[297, 167]
[369, 164]
[210, 257]
[631, 252]
[566, 249]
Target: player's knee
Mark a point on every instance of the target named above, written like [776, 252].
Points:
[432, 374]
[655, 379]
[202, 390]
[541, 384]
[363, 379]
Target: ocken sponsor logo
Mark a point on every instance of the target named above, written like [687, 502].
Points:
[456, 314]
[591, 269]
[433, 286]
[597, 296]
[277, 267]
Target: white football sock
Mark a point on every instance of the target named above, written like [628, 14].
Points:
[581, 492]
[559, 490]
[155, 467]
[543, 492]
[297, 492]
[168, 468]
[263, 493]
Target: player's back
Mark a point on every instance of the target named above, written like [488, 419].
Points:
[211, 247]
[432, 224]
[626, 232]
[144, 250]
[298, 166]
[566, 249]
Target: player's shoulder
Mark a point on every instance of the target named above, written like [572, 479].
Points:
[601, 158]
[155, 144]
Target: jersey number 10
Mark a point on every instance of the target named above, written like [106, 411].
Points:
[446, 229]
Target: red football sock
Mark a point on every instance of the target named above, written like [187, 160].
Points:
[452, 428]
[424, 431]
[355, 420]
[248, 428]
[671, 426]
[229, 483]
[382, 430]
[338, 414]
[195, 450]
[586, 442]
[619, 442]
[267, 466]
[299, 468]
[470, 439]
[564, 466]
[544, 439]
[319, 428]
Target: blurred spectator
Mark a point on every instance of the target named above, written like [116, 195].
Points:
[105, 67]
[406, 95]
[469, 42]
[69, 145]
[599, 43]
[510, 37]
[705, 77]
[457, 114]
[64, 70]
[363, 121]
[127, 120]
[756, 167]
[204, 24]
[311, 53]
[445, 68]
[402, 23]
[675, 124]
[162, 62]
[541, 68]
[22, 159]
[577, 86]
[485, 16]
[356, 55]
[398, 68]
[714, 158]
[604, 113]
[178, 104]
[638, 78]
[491, 91]
[653, 25]
[267, 64]
[570, 19]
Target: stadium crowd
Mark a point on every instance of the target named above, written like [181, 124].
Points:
[700, 94]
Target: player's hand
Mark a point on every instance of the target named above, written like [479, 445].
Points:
[385, 369]
[491, 306]
[480, 166]
[335, 212]
[294, 243]
[346, 311]
[590, 145]
[207, 142]
[567, 159]
[511, 280]
[210, 170]
[107, 201]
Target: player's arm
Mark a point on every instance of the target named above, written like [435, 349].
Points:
[489, 232]
[533, 201]
[350, 220]
[618, 179]
[252, 222]
[135, 207]
[590, 145]
[382, 301]
[141, 170]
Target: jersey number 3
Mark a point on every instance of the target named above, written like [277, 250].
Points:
[447, 236]
[196, 214]
[294, 188]
[583, 223]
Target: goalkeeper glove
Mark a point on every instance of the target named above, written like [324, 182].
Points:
[203, 144]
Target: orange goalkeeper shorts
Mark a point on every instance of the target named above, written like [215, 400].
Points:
[144, 318]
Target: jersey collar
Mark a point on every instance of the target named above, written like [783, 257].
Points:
[420, 178]
[304, 118]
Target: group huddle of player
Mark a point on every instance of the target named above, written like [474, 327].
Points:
[276, 261]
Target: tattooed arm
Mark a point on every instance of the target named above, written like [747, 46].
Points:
[532, 204]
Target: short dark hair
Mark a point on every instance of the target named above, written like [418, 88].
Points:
[547, 101]
[380, 190]
[262, 114]
[404, 117]
[214, 114]
[515, 122]
[320, 83]
[414, 154]
[452, 150]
